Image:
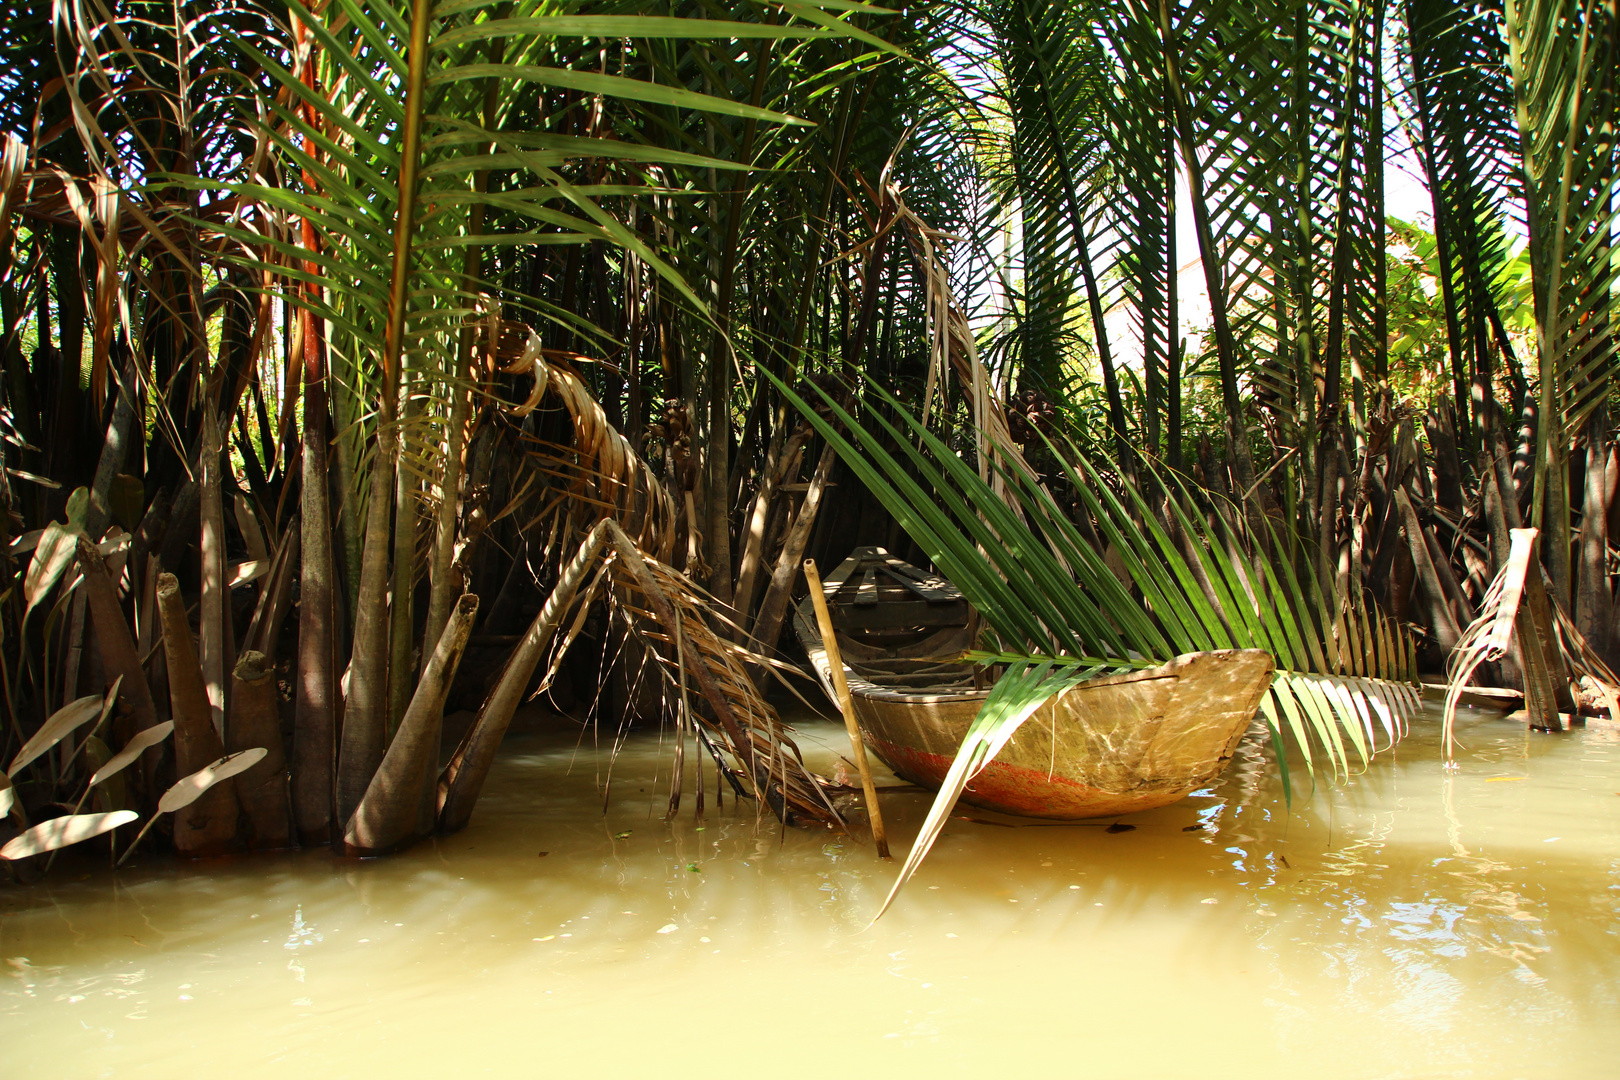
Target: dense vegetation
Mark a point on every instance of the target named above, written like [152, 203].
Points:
[340, 340]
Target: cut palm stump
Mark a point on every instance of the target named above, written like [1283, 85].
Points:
[1107, 746]
[835, 666]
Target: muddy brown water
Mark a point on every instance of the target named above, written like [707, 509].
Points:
[1407, 922]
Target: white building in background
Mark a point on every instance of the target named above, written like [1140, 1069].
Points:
[1192, 308]
[1406, 196]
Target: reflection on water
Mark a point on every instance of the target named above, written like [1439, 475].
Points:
[1408, 922]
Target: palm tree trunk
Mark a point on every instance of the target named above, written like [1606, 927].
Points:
[773, 609]
[256, 721]
[1225, 345]
[214, 627]
[113, 452]
[208, 825]
[400, 802]
[1594, 602]
[314, 718]
[463, 777]
[1328, 524]
[264, 631]
[365, 720]
[365, 712]
[119, 658]
[445, 581]
[315, 700]
[400, 668]
[1442, 623]
[755, 540]
[1172, 317]
[1082, 247]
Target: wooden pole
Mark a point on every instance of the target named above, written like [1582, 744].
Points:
[835, 664]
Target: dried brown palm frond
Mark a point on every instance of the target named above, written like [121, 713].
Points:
[953, 347]
[596, 494]
[1501, 616]
[598, 473]
[13, 159]
[601, 476]
[668, 612]
[1586, 665]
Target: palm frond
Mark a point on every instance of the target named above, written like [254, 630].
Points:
[1562, 58]
[1046, 592]
[1022, 688]
[669, 613]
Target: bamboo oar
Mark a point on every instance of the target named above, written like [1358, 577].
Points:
[835, 664]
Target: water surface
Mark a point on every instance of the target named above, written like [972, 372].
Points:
[1406, 922]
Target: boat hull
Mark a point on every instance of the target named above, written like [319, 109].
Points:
[1101, 749]
[1108, 746]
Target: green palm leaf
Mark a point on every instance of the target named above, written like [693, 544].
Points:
[1022, 689]
[391, 130]
[1054, 606]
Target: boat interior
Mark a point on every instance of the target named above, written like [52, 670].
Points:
[898, 626]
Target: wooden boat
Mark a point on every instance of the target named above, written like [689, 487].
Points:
[1108, 746]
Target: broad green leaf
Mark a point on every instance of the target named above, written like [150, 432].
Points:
[53, 554]
[1021, 690]
[616, 86]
